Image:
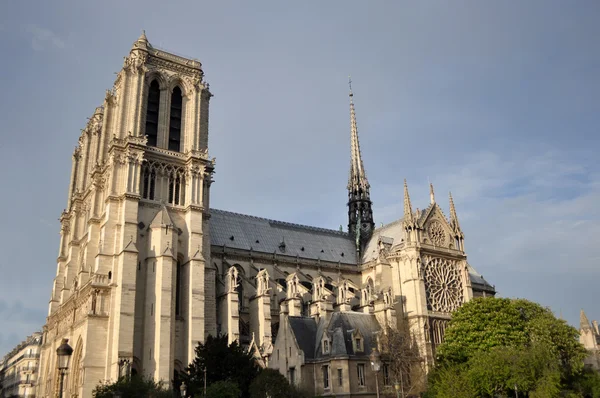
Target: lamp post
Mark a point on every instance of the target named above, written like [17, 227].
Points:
[397, 388]
[182, 389]
[375, 359]
[63, 352]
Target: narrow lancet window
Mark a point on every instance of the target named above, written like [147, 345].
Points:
[178, 289]
[175, 121]
[152, 113]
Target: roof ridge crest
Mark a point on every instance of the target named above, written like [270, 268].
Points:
[334, 231]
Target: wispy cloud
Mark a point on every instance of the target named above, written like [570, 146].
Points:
[520, 211]
[43, 39]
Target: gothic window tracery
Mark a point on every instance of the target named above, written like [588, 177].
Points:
[437, 234]
[437, 330]
[443, 285]
[163, 181]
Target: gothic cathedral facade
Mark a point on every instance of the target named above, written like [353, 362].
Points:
[147, 269]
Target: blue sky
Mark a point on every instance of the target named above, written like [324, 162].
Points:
[497, 101]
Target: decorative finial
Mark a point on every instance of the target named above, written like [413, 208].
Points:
[408, 214]
[431, 194]
[453, 217]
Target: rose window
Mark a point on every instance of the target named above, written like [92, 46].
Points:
[443, 285]
[437, 233]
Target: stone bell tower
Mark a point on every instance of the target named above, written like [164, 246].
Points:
[130, 289]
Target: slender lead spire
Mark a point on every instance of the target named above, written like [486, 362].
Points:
[360, 213]
[357, 170]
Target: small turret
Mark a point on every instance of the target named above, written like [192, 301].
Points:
[142, 41]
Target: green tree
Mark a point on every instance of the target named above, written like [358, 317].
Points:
[497, 346]
[485, 323]
[223, 362]
[270, 384]
[501, 371]
[223, 389]
[586, 384]
[134, 387]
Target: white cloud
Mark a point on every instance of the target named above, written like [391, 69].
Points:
[42, 38]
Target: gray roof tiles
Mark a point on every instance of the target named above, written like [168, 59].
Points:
[340, 327]
[305, 330]
[240, 231]
[245, 232]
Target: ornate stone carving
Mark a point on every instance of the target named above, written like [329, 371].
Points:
[443, 285]
[231, 280]
[135, 61]
[437, 233]
[344, 294]
[262, 283]
[109, 97]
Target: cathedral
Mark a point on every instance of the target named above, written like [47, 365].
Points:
[147, 268]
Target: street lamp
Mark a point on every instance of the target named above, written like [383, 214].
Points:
[375, 359]
[182, 389]
[397, 388]
[63, 352]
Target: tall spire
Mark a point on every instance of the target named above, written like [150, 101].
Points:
[453, 218]
[360, 213]
[408, 214]
[584, 323]
[357, 169]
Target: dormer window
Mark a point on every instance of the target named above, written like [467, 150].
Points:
[326, 344]
[358, 341]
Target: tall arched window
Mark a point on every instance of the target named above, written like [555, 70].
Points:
[178, 288]
[152, 113]
[175, 120]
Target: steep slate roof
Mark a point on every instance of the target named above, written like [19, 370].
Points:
[318, 243]
[340, 327]
[390, 233]
[477, 280]
[304, 330]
